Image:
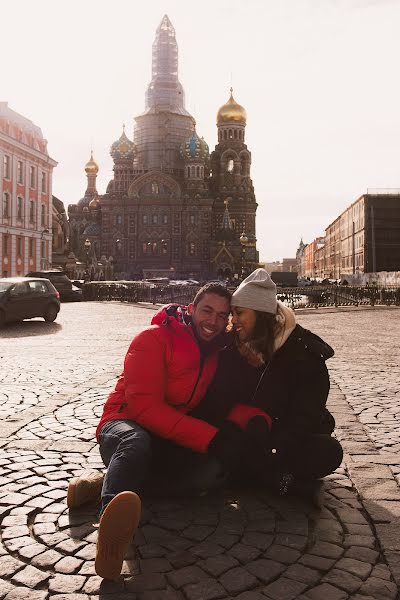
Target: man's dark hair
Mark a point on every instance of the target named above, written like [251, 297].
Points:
[212, 288]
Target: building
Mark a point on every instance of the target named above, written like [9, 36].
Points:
[25, 189]
[171, 209]
[310, 265]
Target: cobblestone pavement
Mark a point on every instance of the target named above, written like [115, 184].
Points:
[251, 546]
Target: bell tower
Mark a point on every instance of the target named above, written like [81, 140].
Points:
[230, 180]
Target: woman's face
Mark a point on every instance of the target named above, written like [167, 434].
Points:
[244, 320]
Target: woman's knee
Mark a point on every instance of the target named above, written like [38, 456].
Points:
[124, 438]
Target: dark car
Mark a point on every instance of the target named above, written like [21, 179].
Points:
[59, 279]
[27, 297]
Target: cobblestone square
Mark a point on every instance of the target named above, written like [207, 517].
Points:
[55, 378]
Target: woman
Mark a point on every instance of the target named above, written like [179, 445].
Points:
[277, 366]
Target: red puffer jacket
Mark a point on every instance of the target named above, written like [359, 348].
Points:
[165, 376]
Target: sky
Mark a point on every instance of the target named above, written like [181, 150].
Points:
[319, 80]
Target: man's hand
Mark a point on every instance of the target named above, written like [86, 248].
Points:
[227, 445]
[259, 432]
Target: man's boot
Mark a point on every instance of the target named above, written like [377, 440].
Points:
[85, 488]
[117, 525]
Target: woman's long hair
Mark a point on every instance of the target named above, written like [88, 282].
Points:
[263, 336]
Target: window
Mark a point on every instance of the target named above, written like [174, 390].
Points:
[20, 171]
[155, 219]
[164, 247]
[43, 215]
[229, 166]
[19, 246]
[165, 219]
[32, 177]
[118, 220]
[20, 207]
[155, 188]
[31, 211]
[6, 205]
[7, 167]
[144, 248]
[44, 182]
[5, 244]
[38, 287]
[192, 220]
[144, 219]
[192, 249]
[30, 248]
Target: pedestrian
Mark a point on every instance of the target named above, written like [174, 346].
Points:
[278, 366]
[145, 424]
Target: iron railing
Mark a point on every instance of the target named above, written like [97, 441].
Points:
[339, 295]
[298, 297]
[139, 291]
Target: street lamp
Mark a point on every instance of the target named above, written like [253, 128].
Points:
[88, 245]
[243, 241]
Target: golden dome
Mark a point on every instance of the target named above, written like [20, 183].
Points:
[231, 111]
[91, 166]
[94, 203]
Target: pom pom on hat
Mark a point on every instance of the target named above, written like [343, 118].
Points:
[257, 292]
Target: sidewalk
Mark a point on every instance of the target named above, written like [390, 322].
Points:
[241, 545]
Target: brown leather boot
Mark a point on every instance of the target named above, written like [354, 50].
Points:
[118, 523]
[85, 488]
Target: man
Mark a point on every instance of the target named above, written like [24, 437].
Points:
[167, 370]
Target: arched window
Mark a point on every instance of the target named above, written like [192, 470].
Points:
[31, 211]
[235, 134]
[188, 171]
[155, 188]
[230, 165]
[20, 207]
[230, 134]
[198, 171]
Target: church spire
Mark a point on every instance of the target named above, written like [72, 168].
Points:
[165, 92]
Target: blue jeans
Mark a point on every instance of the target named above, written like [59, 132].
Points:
[136, 460]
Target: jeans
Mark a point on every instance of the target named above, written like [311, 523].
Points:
[137, 461]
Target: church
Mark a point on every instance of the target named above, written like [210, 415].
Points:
[172, 209]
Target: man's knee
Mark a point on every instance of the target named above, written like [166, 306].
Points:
[125, 438]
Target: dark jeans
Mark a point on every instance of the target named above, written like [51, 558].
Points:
[137, 461]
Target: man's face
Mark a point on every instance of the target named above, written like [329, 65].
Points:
[209, 316]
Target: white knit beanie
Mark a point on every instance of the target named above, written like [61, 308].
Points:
[257, 291]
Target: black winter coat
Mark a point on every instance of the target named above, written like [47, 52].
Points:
[292, 388]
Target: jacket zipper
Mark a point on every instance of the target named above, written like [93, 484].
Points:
[202, 360]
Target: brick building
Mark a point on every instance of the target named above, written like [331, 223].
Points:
[25, 191]
[171, 208]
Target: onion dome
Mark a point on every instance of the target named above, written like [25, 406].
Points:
[123, 148]
[231, 111]
[91, 167]
[93, 230]
[94, 204]
[195, 148]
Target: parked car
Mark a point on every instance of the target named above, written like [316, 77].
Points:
[60, 280]
[27, 297]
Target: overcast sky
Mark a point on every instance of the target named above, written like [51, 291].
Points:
[319, 80]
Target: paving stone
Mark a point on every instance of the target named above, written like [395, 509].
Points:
[9, 566]
[265, 570]
[181, 559]
[343, 580]
[284, 589]
[238, 580]
[5, 587]
[363, 554]
[326, 592]
[326, 550]
[317, 562]
[155, 565]
[47, 559]
[217, 565]
[368, 541]
[243, 553]
[292, 541]
[66, 584]
[356, 567]
[205, 590]
[161, 595]
[31, 577]
[20, 593]
[379, 588]
[282, 554]
[143, 583]
[186, 575]
[70, 597]
[68, 564]
[303, 574]
[382, 572]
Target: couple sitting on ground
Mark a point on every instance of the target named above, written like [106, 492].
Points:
[198, 404]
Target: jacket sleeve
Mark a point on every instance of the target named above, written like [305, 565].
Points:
[242, 413]
[145, 384]
[309, 393]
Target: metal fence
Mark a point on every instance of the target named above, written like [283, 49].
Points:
[339, 295]
[139, 291]
[299, 297]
